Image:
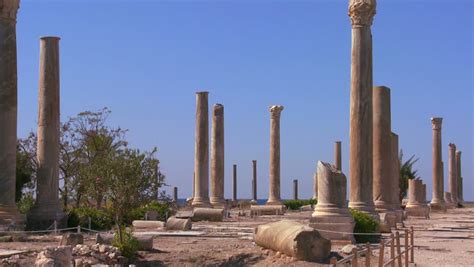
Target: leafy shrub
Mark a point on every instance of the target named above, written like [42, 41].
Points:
[126, 243]
[364, 223]
[162, 208]
[297, 204]
[26, 203]
[100, 219]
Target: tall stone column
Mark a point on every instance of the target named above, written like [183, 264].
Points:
[175, 194]
[395, 177]
[47, 207]
[201, 152]
[437, 201]
[458, 163]
[315, 185]
[254, 181]
[8, 112]
[361, 13]
[274, 191]
[382, 156]
[234, 182]
[295, 189]
[217, 156]
[453, 175]
[337, 155]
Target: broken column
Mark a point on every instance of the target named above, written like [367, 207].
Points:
[382, 156]
[453, 175]
[416, 206]
[295, 189]
[437, 201]
[8, 112]
[395, 178]
[315, 185]
[175, 194]
[217, 156]
[47, 208]
[201, 152]
[274, 190]
[337, 155]
[458, 163]
[361, 13]
[254, 182]
[331, 212]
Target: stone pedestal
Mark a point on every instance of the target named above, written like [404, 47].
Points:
[337, 155]
[47, 208]
[331, 212]
[254, 182]
[437, 201]
[453, 175]
[8, 113]
[416, 206]
[217, 157]
[361, 13]
[201, 152]
[274, 190]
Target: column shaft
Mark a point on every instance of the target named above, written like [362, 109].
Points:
[217, 156]
[234, 182]
[254, 180]
[458, 163]
[295, 189]
[453, 175]
[337, 155]
[201, 154]
[274, 190]
[437, 201]
[175, 194]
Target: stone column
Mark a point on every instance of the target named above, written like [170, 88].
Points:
[234, 182]
[315, 185]
[448, 201]
[217, 156]
[453, 175]
[175, 194]
[274, 191]
[254, 181]
[337, 155]
[458, 163]
[395, 176]
[424, 193]
[382, 156]
[437, 201]
[295, 189]
[416, 206]
[331, 211]
[47, 208]
[361, 13]
[201, 152]
[8, 112]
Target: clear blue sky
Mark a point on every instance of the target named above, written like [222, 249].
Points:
[146, 59]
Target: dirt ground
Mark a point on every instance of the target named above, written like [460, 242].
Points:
[446, 239]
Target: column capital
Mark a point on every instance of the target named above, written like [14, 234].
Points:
[436, 123]
[362, 12]
[458, 152]
[275, 111]
[8, 9]
[452, 147]
[218, 109]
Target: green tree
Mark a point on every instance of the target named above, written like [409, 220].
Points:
[406, 173]
[26, 167]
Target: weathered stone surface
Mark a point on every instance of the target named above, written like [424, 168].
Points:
[274, 190]
[396, 205]
[267, 210]
[54, 257]
[337, 155]
[448, 200]
[208, 214]
[453, 175]
[293, 239]
[201, 154]
[217, 156]
[72, 239]
[460, 188]
[437, 201]
[145, 241]
[360, 133]
[331, 213]
[140, 224]
[234, 183]
[178, 224]
[416, 206]
[254, 182]
[315, 184]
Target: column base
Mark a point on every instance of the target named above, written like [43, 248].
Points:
[201, 202]
[418, 211]
[41, 218]
[218, 202]
[333, 224]
[11, 217]
[438, 206]
[274, 202]
[366, 208]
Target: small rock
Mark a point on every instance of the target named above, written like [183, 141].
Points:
[347, 249]
[103, 248]
[78, 263]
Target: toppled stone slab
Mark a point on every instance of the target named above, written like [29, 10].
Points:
[257, 210]
[178, 224]
[293, 239]
[139, 224]
[208, 214]
[5, 253]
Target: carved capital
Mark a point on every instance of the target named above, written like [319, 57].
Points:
[362, 12]
[452, 147]
[275, 111]
[218, 110]
[436, 123]
[8, 9]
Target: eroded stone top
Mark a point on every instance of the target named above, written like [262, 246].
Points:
[218, 109]
[452, 146]
[276, 111]
[8, 9]
[362, 12]
[436, 123]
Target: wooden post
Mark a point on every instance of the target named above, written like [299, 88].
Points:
[368, 255]
[392, 248]
[407, 250]
[382, 253]
[79, 229]
[354, 257]
[55, 226]
[399, 252]
[412, 244]
[333, 261]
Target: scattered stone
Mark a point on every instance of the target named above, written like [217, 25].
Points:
[72, 239]
[178, 224]
[54, 256]
[148, 224]
[208, 214]
[347, 249]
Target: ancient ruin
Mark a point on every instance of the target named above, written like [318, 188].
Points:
[217, 157]
[201, 152]
[437, 201]
[453, 175]
[416, 206]
[274, 190]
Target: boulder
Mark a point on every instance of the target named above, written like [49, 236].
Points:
[72, 239]
[178, 224]
[55, 256]
[293, 239]
[208, 214]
